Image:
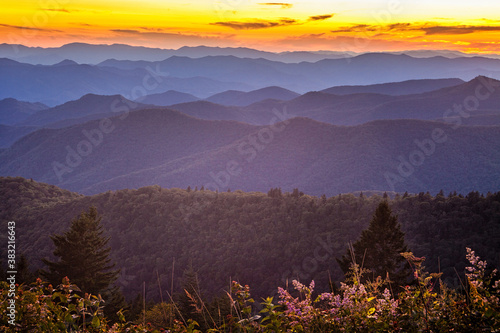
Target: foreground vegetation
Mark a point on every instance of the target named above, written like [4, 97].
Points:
[425, 305]
[156, 233]
[385, 286]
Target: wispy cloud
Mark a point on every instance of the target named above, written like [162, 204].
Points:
[320, 17]
[283, 5]
[399, 26]
[62, 10]
[457, 30]
[356, 28]
[18, 27]
[256, 24]
[161, 34]
[126, 31]
[344, 43]
[428, 28]
[152, 29]
[264, 24]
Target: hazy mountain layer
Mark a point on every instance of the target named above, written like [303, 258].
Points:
[168, 148]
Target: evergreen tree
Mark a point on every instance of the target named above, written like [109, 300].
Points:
[83, 255]
[379, 248]
[189, 301]
[24, 274]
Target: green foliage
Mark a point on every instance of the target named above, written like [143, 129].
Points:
[160, 316]
[42, 308]
[426, 305]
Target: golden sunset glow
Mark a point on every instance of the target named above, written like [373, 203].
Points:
[360, 26]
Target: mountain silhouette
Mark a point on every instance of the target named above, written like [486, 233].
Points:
[13, 111]
[409, 87]
[240, 98]
[168, 98]
[87, 105]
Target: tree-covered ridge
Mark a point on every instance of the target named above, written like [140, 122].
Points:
[256, 238]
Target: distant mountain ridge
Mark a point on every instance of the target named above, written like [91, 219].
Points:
[350, 109]
[54, 85]
[10, 134]
[359, 108]
[241, 98]
[167, 98]
[87, 105]
[409, 87]
[93, 54]
[171, 149]
[206, 76]
[13, 111]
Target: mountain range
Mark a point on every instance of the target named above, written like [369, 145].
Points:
[370, 122]
[409, 87]
[93, 54]
[165, 147]
[365, 106]
[13, 111]
[208, 75]
[57, 84]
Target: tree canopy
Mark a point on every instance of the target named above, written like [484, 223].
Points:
[83, 255]
[379, 248]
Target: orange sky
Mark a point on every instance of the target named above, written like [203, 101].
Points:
[360, 26]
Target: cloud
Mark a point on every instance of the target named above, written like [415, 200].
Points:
[256, 24]
[428, 28]
[400, 26]
[83, 24]
[152, 29]
[490, 20]
[320, 17]
[358, 44]
[356, 28]
[159, 34]
[457, 30]
[63, 10]
[126, 31]
[283, 5]
[264, 24]
[27, 28]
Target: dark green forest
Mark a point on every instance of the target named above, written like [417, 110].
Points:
[260, 239]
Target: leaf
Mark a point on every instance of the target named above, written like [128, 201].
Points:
[96, 322]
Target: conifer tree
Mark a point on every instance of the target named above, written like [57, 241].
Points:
[83, 255]
[379, 248]
[24, 274]
[189, 301]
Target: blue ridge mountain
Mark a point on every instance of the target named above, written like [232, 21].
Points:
[13, 111]
[57, 84]
[80, 110]
[241, 98]
[167, 98]
[168, 148]
[409, 87]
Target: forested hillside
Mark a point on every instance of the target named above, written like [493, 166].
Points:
[260, 239]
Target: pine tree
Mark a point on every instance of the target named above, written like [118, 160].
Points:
[379, 248]
[189, 301]
[83, 255]
[24, 274]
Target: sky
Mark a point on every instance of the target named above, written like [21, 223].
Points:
[357, 25]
